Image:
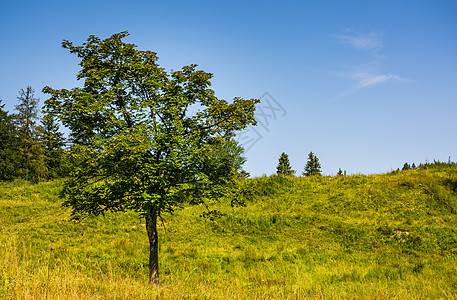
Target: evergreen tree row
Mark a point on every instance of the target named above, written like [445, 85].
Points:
[312, 167]
[31, 148]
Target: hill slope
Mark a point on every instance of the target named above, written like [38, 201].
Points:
[378, 236]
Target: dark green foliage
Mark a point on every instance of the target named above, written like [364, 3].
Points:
[451, 182]
[8, 145]
[313, 167]
[244, 174]
[435, 164]
[140, 132]
[406, 167]
[222, 154]
[284, 167]
[31, 164]
[145, 140]
[53, 142]
[340, 172]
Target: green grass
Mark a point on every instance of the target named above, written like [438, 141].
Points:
[344, 237]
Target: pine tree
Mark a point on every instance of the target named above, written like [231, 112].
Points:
[340, 172]
[313, 167]
[284, 167]
[53, 142]
[406, 167]
[32, 160]
[8, 145]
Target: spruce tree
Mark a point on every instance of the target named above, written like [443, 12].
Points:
[284, 167]
[8, 145]
[32, 161]
[313, 167]
[406, 167]
[53, 142]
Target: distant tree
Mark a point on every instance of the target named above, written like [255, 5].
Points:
[413, 166]
[229, 151]
[53, 142]
[340, 172]
[8, 145]
[143, 139]
[313, 167]
[284, 167]
[32, 161]
[406, 167]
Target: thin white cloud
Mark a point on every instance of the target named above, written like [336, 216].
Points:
[364, 41]
[366, 79]
[370, 74]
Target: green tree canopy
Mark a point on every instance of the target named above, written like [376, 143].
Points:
[143, 139]
[284, 167]
[312, 167]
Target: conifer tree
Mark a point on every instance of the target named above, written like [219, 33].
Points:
[340, 172]
[8, 145]
[32, 161]
[406, 167]
[313, 167]
[53, 142]
[284, 167]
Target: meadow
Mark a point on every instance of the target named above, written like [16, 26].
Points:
[388, 236]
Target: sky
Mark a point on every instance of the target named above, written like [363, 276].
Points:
[364, 85]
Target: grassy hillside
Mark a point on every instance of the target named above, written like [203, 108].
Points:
[388, 236]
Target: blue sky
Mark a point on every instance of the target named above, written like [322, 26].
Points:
[365, 85]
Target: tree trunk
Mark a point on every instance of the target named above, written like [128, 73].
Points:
[151, 227]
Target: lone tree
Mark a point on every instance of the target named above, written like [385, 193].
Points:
[284, 167]
[143, 140]
[340, 172]
[313, 167]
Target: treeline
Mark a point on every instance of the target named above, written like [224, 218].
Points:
[313, 167]
[426, 165]
[31, 147]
